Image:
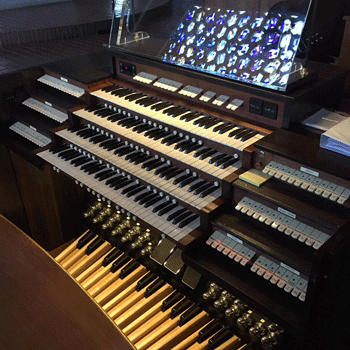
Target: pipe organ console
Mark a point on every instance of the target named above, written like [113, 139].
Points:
[212, 227]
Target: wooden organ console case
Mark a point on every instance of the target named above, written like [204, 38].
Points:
[209, 226]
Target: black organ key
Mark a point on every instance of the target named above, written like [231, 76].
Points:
[229, 162]
[96, 169]
[113, 145]
[105, 113]
[149, 162]
[219, 127]
[133, 155]
[181, 217]
[83, 130]
[94, 245]
[130, 188]
[113, 180]
[135, 123]
[173, 174]
[59, 149]
[114, 254]
[136, 191]
[166, 209]
[105, 175]
[219, 338]
[179, 308]
[98, 139]
[208, 331]
[235, 132]
[147, 198]
[226, 129]
[190, 116]
[211, 123]
[199, 120]
[145, 281]
[193, 147]
[109, 88]
[171, 300]
[176, 139]
[142, 128]
[167, 171]
[216, 158]
[175, 214]
[153, 201]
[207, 154]
[161, 106]
[187, 220]
[202, 188]
[104, 144]
[121, 92]
[142, 159]
[185, 145]
[123, 183]
[209, 190]
[222, 160]
[88, 133]
[134, 97]
[72, 156]
[163, 168]
[193, 311]
[85, 239]
[125, 120]
[119, 263]
[115, 116]
[133, 265]
[139, 197]
[188, 181]
[150, 132]
[120, 148]
[168, 138]
[248, 136]
[125, 151]
[80, 161]
[154, 165]
[242, 134]
[65, 152]
[197, 185]
[156, 285]
[160, 206]
[204, 122]
[181, 178]
[202, 151]
[86, 166]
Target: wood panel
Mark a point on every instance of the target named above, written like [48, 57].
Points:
[53, 203]
[40, 304]
[11, 205]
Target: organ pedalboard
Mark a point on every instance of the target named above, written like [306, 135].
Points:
[121, 264]
[185, 248]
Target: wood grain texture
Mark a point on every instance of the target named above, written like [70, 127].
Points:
[42, 307]
[53, 203]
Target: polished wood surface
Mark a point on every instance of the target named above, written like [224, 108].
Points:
[41, 306]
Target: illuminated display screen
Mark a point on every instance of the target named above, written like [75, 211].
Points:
[251, 47]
